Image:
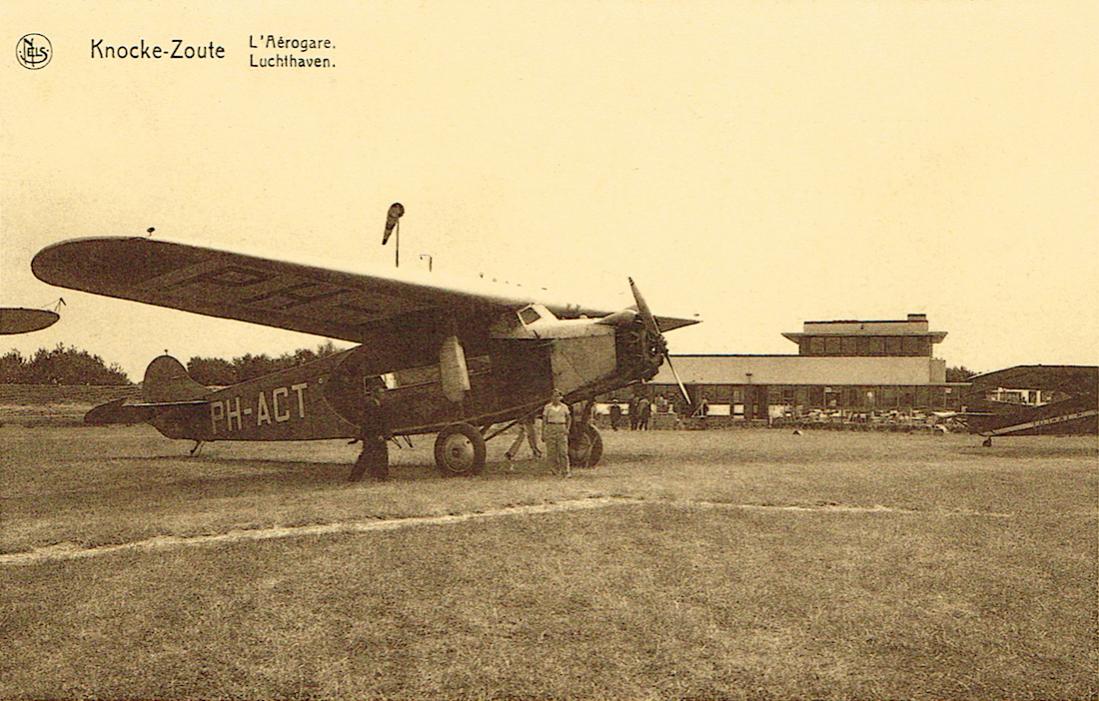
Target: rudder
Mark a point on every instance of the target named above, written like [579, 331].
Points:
[166, 380]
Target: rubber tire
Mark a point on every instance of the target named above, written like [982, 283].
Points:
[596, 452]
[475, 438]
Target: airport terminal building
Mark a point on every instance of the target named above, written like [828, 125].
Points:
[841, 366]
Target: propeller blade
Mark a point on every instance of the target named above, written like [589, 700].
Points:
[643, 308]
[682, 388]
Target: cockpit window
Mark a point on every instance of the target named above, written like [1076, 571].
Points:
[529, 316]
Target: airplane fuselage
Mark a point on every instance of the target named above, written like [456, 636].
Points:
[326, 398]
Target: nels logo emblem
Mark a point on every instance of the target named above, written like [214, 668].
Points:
[33, 51]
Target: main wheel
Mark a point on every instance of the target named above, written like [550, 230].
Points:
[460, 450]
[586, 448]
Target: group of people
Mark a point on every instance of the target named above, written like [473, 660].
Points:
[557, 422]
[639, 410]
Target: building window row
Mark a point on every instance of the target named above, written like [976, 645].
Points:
[865, 345]
[861, 398]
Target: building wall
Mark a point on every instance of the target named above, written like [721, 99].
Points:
[856, 345]
[803, 370]
[911, 336]
[755, 400]
[857, 368]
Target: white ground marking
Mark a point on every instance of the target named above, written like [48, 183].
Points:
[69, 551]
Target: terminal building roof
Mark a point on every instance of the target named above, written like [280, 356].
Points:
[914, 325]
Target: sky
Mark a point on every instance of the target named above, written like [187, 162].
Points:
[758, 163]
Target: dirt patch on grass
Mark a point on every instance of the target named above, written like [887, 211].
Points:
[70, 551]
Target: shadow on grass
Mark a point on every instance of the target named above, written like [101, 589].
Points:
[1006, 448]
[259, 470]
[206, 470]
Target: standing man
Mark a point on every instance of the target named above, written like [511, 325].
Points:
[644, 411]
[703, 411]
[631, 408]
[616, 415]
[375, 433]
[526, 430]
[556, 421]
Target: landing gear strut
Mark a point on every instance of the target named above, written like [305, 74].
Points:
[460, 450]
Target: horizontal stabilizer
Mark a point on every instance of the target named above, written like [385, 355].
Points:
[119, 412]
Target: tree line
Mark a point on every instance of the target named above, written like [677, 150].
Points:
[221, 372]
[960, 374]
[59, 366]
[70, 366]
[63, 365]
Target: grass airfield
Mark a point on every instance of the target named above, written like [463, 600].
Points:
[746, 563]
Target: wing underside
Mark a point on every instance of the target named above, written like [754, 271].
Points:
[306, 298]
[231, 285]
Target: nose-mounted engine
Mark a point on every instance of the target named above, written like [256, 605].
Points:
[640, 345]
[640, 351]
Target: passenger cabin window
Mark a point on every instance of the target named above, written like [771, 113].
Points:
[529, 316]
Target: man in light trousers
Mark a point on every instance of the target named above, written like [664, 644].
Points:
[528, 432]
[556, 421]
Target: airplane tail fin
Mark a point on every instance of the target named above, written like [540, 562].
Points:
[166, 380]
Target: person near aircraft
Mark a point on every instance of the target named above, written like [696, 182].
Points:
[375, 434]
[703, 411]
[616, 415]
[644, 413]
[631, 408]
[525, 430]
[556, 421]
[660, 404]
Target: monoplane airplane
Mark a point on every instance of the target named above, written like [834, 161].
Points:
[452, 359]
[1028, 400]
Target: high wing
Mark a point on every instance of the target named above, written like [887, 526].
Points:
[307, 298]
[15, 320]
